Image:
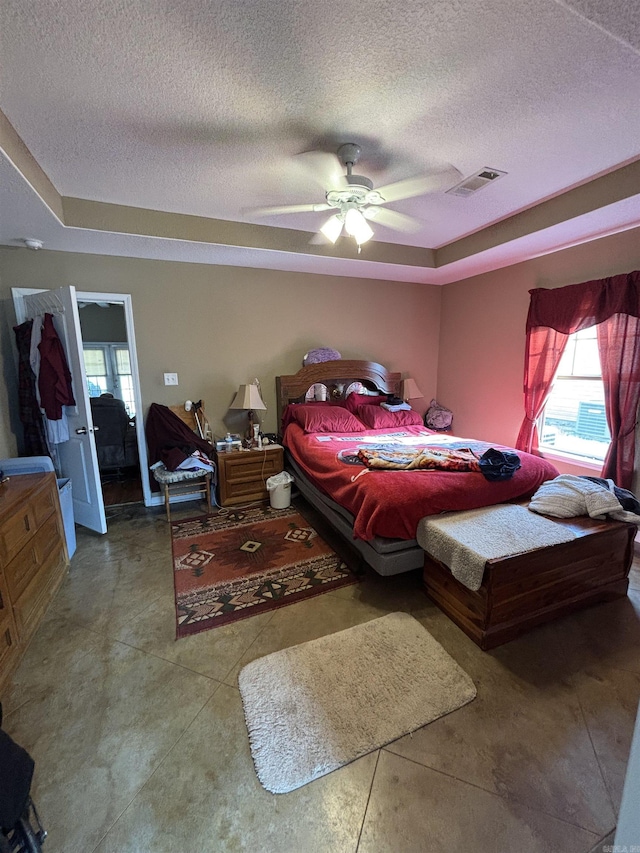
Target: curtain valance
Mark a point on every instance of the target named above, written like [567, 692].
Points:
[578, 306]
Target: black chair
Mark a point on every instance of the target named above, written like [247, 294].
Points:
[20, 827]
[115, 435]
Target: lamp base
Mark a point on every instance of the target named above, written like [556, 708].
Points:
[253, 431]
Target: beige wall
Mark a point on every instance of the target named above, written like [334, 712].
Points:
[218, 327]
[482, 333]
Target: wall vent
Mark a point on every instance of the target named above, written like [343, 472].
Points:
[475, 182]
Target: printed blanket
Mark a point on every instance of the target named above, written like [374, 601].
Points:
[422, 459]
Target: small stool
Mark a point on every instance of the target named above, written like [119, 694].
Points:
[183, 483]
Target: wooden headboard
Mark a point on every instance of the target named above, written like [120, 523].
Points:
[337, 376]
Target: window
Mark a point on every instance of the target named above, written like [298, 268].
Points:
[95, 365]
[108, 369]
[574, 421]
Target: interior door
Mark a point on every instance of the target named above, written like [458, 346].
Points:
[78, 457]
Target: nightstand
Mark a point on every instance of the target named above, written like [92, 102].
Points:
[242, 473]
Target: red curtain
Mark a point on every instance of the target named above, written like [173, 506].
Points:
[613, 304]
[544, 351]
[619, 346]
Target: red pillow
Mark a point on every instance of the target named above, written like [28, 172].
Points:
[314, 418]
[288, 414]
[354, 401]
[375, 417]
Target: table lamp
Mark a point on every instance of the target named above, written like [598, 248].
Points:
[410, 390]
[249, 398]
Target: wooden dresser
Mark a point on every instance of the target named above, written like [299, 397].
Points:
[242, 474]
[33, 560]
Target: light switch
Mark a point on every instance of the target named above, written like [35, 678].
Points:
[171, 379]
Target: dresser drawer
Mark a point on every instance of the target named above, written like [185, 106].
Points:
[32, 603]
[26, 565]
[5, 600]
[8, 644]
[16, 532]
[17, 529]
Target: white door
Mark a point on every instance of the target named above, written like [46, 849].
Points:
[78, 457]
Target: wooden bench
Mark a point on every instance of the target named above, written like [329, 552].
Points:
[525, 590]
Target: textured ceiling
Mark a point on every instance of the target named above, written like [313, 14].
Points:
[203, 107]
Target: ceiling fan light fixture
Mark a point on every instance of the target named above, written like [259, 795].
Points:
[357, 226]
[332, 228]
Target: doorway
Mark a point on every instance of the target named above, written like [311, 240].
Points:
[107, 362]
[111, 371]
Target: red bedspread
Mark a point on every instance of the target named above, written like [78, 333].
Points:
[391, 503]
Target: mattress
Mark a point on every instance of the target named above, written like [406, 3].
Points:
[390, 504]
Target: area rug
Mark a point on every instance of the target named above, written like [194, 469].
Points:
[313, 708]
[245, 561]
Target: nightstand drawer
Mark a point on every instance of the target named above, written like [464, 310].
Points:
[242, 475]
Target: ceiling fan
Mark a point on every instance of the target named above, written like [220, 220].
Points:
[356, 201]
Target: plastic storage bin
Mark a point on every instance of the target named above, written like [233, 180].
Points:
[41, 465]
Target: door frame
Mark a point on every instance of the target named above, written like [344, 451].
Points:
[127, 303]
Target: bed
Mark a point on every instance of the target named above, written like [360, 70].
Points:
[517, 592]
[378, 512]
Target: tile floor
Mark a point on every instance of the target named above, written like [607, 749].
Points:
[140, 743]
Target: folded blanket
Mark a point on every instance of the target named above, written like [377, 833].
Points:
[396, 407]
[425, 458]
[568, 495]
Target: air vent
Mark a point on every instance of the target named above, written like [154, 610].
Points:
[475, 182]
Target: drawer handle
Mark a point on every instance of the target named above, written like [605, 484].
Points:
[7, 636]
[1, 602]
[26, 523]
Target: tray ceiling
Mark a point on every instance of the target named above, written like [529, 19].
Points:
[152, 130]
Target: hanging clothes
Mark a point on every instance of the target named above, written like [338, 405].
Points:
[54, 380]
[35, 443]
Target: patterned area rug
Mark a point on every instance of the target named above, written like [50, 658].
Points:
[228, 567]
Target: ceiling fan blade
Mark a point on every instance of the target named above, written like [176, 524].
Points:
[411, 187]
[392, 219]
[287, 208]
[321, 167]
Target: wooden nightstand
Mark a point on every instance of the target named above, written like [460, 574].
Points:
[242, 473]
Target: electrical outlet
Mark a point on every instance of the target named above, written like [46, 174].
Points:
[171, 379]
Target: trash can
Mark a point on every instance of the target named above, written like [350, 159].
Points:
[41, 465]
[279, 488]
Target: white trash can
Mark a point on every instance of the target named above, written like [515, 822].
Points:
[279, 488]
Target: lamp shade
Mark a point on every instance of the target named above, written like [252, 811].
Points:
[410, 390]
[248, 397]
[332, 228]
[357, 226]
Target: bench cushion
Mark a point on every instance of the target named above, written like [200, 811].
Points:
[464, 541]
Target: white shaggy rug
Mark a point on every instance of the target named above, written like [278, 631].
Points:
[320, 705]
